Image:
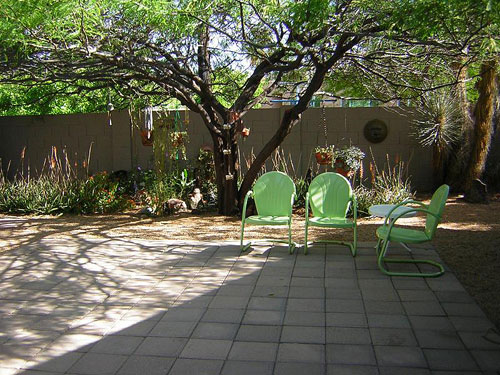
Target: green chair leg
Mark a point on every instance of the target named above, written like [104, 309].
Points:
[243, 248]
[354, 248]
[351, 246]
[291, 246]
[382, 260]
[305, 239]
[377, 247]
[242, 233]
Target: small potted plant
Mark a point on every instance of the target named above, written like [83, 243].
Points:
[347, 160]
[324, 155]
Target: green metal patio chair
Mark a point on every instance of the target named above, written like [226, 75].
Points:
[330, 196]
[273, 193]
[388, 232]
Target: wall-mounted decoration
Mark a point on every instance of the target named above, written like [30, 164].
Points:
[375, 131]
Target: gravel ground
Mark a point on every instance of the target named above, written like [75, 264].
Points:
[468, 238]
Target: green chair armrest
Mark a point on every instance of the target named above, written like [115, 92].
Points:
[404, 213]
[411, 201]
[404, 203]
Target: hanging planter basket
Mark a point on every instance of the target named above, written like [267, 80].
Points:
[341, 168]
[147, 138]
[324, 155]
[323, 158]
[348, 160]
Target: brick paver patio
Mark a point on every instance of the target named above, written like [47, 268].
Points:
[88, 306]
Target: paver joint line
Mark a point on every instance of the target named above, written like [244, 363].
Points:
[87, 307]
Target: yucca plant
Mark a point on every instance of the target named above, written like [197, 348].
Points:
[438, 125]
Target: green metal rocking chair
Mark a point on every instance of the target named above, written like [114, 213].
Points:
[388, 232]
[330, 196]
[274, 194]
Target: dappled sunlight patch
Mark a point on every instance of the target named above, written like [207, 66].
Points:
[475, 227]
[109, 292]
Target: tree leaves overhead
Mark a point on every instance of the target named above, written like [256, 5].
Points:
[221, 58]
[151, 47]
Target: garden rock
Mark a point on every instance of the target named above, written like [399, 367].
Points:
[195, 198]
[148, 211]
[177, 205]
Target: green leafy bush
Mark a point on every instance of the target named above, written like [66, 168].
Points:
[50, 195]
[154, 189]
[61, 189]
[301, 187]
[182, 184]
[39, 196]
[390, 186]
[157, 195]
[99, 194]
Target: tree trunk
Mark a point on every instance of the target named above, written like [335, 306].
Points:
[492, 170]
[290, 118]
[225, 168]
[482, 126]
[438, 161]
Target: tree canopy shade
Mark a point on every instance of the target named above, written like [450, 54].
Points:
[220, 58]
[53, 98]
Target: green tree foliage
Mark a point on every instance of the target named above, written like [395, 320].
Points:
[221, 58]
[50, 99]
[441, 35]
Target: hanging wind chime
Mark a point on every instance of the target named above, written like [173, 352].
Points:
[147, 132]
[234, 119]
[148, 121]
[110, 108]
[227, 151]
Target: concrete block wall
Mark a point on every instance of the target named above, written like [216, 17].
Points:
[119, 146]
[344, 126]
[78, 134]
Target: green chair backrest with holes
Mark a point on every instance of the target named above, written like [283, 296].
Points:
[272, 194]
[330, 195]
[436, 206]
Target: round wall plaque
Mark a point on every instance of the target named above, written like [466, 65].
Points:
[375, 131]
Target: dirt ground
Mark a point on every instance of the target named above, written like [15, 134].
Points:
[468, 239]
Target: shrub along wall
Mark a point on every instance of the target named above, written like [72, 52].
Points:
[119, 146]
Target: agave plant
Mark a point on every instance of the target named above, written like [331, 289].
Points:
[438, 125]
